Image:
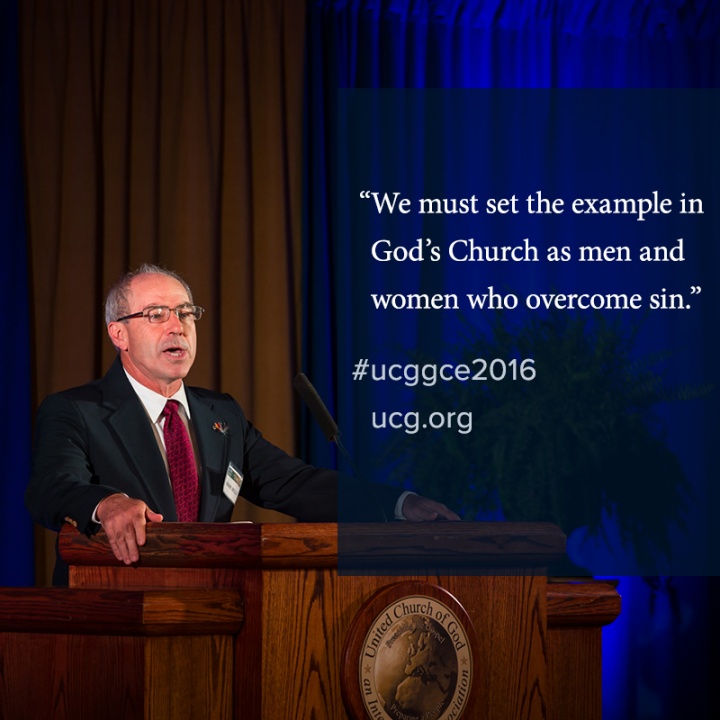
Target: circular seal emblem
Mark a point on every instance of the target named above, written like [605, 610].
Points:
[415, 662]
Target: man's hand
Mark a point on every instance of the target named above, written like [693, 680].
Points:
[421, 509]
[124, 520]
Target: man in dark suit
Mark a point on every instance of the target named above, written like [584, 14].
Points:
[101, 458]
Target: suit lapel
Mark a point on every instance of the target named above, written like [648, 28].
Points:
[134, 434]
[213, 446]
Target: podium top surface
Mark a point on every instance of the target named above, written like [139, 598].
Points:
[298, 545]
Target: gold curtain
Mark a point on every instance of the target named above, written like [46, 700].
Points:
[168, 132]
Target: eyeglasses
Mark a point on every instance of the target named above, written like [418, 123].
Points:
[161, 313]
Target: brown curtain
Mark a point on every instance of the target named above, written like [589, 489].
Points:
[168, 132]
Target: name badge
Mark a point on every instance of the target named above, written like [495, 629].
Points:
[233, 483]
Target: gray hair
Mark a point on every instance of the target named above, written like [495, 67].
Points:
[117, 303]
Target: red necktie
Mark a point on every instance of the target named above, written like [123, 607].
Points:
[181, 462]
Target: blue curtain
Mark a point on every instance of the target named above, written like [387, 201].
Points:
[455, 44]
[649, 669]
[16, 535]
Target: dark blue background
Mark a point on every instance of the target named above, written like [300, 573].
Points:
[657, 655]
[567, 143]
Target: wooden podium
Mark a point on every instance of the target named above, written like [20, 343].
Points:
[282, 621]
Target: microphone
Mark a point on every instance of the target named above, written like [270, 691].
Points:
[330, 428]
[317, 407]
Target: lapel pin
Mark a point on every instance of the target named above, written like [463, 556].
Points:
[220, 427]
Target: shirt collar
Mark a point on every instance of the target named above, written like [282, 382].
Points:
[153, 402]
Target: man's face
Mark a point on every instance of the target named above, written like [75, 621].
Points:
[158, 355]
